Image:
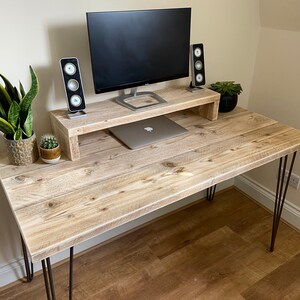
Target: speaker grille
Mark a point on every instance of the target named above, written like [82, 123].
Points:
[197, 65]
[72, 83]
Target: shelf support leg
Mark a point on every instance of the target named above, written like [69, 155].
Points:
[281, 191]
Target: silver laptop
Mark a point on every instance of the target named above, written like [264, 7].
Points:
[146, 132]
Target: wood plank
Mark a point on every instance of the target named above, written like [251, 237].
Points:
[107, 114]
[53, 182]
[113, 162]
[61, 214]
[71, 202]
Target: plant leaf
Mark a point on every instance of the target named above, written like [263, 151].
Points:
[5, 98]
[32, 93]
[18, 95]
[18, 134]
[27, 126]
[227, 88]
[10, 89]
[6, 128]
[13, 114]
[21, 89]
[2, 112]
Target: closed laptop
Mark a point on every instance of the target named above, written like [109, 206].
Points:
[146, 132]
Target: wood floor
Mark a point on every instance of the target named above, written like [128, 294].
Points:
[211, 250]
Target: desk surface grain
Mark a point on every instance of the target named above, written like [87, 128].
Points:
[59, 206]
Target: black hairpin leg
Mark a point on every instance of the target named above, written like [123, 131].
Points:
[210, 193]
[29, 269]
[281, 191]
[48, 279]
[71, 273]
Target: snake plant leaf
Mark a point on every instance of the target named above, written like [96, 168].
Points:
[13, 114]
[32, 93]
[27, 126]
[10, 89]
[18, 134]
[18, 95]
[2, 112]
[5, 99]
[21, 89]
[6, 128]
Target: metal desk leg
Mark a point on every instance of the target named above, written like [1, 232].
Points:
[48, 277]
[29, 270]
[71, 273]
[281, 191]
[210, 193]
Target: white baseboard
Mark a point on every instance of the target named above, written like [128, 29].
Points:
[14, 270]
[266, 197]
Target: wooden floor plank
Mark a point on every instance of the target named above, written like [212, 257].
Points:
[282, 283]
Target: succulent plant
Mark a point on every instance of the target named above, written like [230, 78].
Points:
[48, 141]
[15, 108]
[226, 88]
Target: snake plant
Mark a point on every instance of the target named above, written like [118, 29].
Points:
[15, 108]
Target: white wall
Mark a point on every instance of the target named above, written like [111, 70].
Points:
[282, 15]
[41, 32]
[275, 91]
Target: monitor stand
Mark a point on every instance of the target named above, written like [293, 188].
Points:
[134, 100]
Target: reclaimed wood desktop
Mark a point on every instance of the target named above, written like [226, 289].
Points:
[59, 206]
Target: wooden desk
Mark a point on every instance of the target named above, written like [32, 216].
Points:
[60, 206]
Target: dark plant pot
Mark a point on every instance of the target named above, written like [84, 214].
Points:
[228, 103]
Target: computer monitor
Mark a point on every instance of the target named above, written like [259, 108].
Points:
[134, 48]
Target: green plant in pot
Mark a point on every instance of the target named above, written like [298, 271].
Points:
[49, 149]
[229, 91]
[16, 120]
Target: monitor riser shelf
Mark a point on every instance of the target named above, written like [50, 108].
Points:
[106, 114]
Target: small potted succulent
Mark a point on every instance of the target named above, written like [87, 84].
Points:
[16, 120]
[229, 91]
[49, 149]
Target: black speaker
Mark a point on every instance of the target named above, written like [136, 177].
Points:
[73, 85]
[197, 65]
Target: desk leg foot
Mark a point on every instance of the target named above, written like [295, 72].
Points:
[281, 191]
[210, 193]
[48, 279]
[29, 269]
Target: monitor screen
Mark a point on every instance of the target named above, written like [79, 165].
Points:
[134, 48]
